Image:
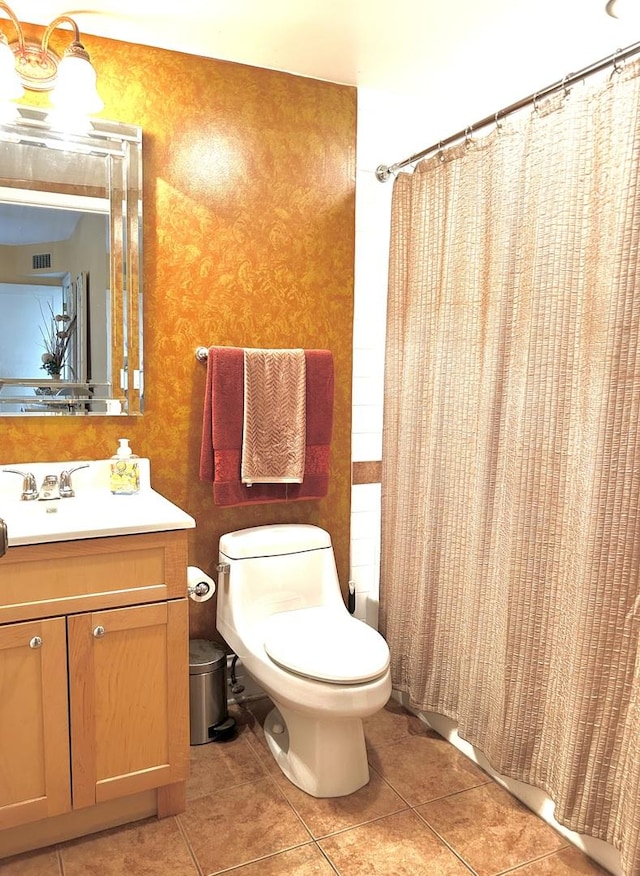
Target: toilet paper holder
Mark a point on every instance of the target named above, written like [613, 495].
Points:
[200, 586]
[199, 589]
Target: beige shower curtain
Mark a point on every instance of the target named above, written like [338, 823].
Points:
[511, 462]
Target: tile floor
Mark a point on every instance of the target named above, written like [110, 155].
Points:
[427, 811]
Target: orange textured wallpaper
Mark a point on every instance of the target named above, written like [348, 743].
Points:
[249, 195]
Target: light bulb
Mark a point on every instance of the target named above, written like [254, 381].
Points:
[75, 90]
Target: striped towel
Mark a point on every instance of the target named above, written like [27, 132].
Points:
[274, 421]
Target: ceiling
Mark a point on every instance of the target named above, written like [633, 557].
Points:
[21, 224]
[479, 52]
[402, 46]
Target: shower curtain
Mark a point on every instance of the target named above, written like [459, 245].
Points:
[510, 592]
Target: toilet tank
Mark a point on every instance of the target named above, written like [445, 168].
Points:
[275, 568]
[273, 541]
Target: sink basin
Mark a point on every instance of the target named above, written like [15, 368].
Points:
[93, 512]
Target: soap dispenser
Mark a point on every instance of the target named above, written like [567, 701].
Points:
[125, 474]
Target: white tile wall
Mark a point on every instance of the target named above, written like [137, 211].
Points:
[365, 549]
[367, 419]
[378, 142]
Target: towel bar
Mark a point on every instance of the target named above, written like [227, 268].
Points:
[202, 354]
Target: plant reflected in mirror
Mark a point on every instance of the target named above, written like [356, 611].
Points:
[57, 332]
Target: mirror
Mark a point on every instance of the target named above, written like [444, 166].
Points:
[70, 268]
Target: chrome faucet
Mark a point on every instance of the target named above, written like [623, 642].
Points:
[29, 488]
[49, 488]
[66, 489]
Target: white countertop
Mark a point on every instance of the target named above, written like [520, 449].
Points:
[93, 512]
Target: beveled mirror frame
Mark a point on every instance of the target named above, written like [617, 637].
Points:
[117, 149]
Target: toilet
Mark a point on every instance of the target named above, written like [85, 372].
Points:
[281, 611]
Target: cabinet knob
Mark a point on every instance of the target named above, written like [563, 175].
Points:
[99, 632]
[36, 642]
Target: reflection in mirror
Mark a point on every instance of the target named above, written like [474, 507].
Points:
[70, 257]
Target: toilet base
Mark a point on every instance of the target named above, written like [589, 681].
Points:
[325, 757]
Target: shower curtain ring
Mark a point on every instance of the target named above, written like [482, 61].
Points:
[468, 133]
[567, 91]
[440, 152]
[498, 123]
[618, 62]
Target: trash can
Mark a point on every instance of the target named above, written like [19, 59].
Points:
[209, 719]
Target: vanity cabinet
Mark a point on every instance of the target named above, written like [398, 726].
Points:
[126, 734]
[34, 726]
[93, 683]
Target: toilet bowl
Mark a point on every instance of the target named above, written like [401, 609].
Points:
[281, 610]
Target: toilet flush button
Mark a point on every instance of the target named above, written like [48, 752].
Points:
[277, 728]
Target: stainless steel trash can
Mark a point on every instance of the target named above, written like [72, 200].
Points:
[208, 716]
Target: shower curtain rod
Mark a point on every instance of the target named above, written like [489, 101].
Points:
[384, 171]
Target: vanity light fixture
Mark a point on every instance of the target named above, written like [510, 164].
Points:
[34, 66]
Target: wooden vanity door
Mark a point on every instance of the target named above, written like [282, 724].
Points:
[34, 725]
[128, 683]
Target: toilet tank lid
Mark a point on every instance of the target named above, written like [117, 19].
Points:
[273, 541]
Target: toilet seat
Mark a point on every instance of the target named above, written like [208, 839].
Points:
[325, 645]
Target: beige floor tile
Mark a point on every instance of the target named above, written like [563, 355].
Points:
[245, 818]
[328, 815]
[391, 724]
[217, 766]
[258, 743]
[244, 717]
[303, 861]
[41, 863]
[240, 825]
[490, 829]
[398, 844]
[256, 738]
[149, 848]
[259, 709]
[568, 862]
[425, 767]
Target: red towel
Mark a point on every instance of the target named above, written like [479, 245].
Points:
[220, 452]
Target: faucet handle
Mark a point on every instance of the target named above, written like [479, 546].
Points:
[66, 489]
[29, 487]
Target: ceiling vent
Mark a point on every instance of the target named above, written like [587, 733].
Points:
[41, 262]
